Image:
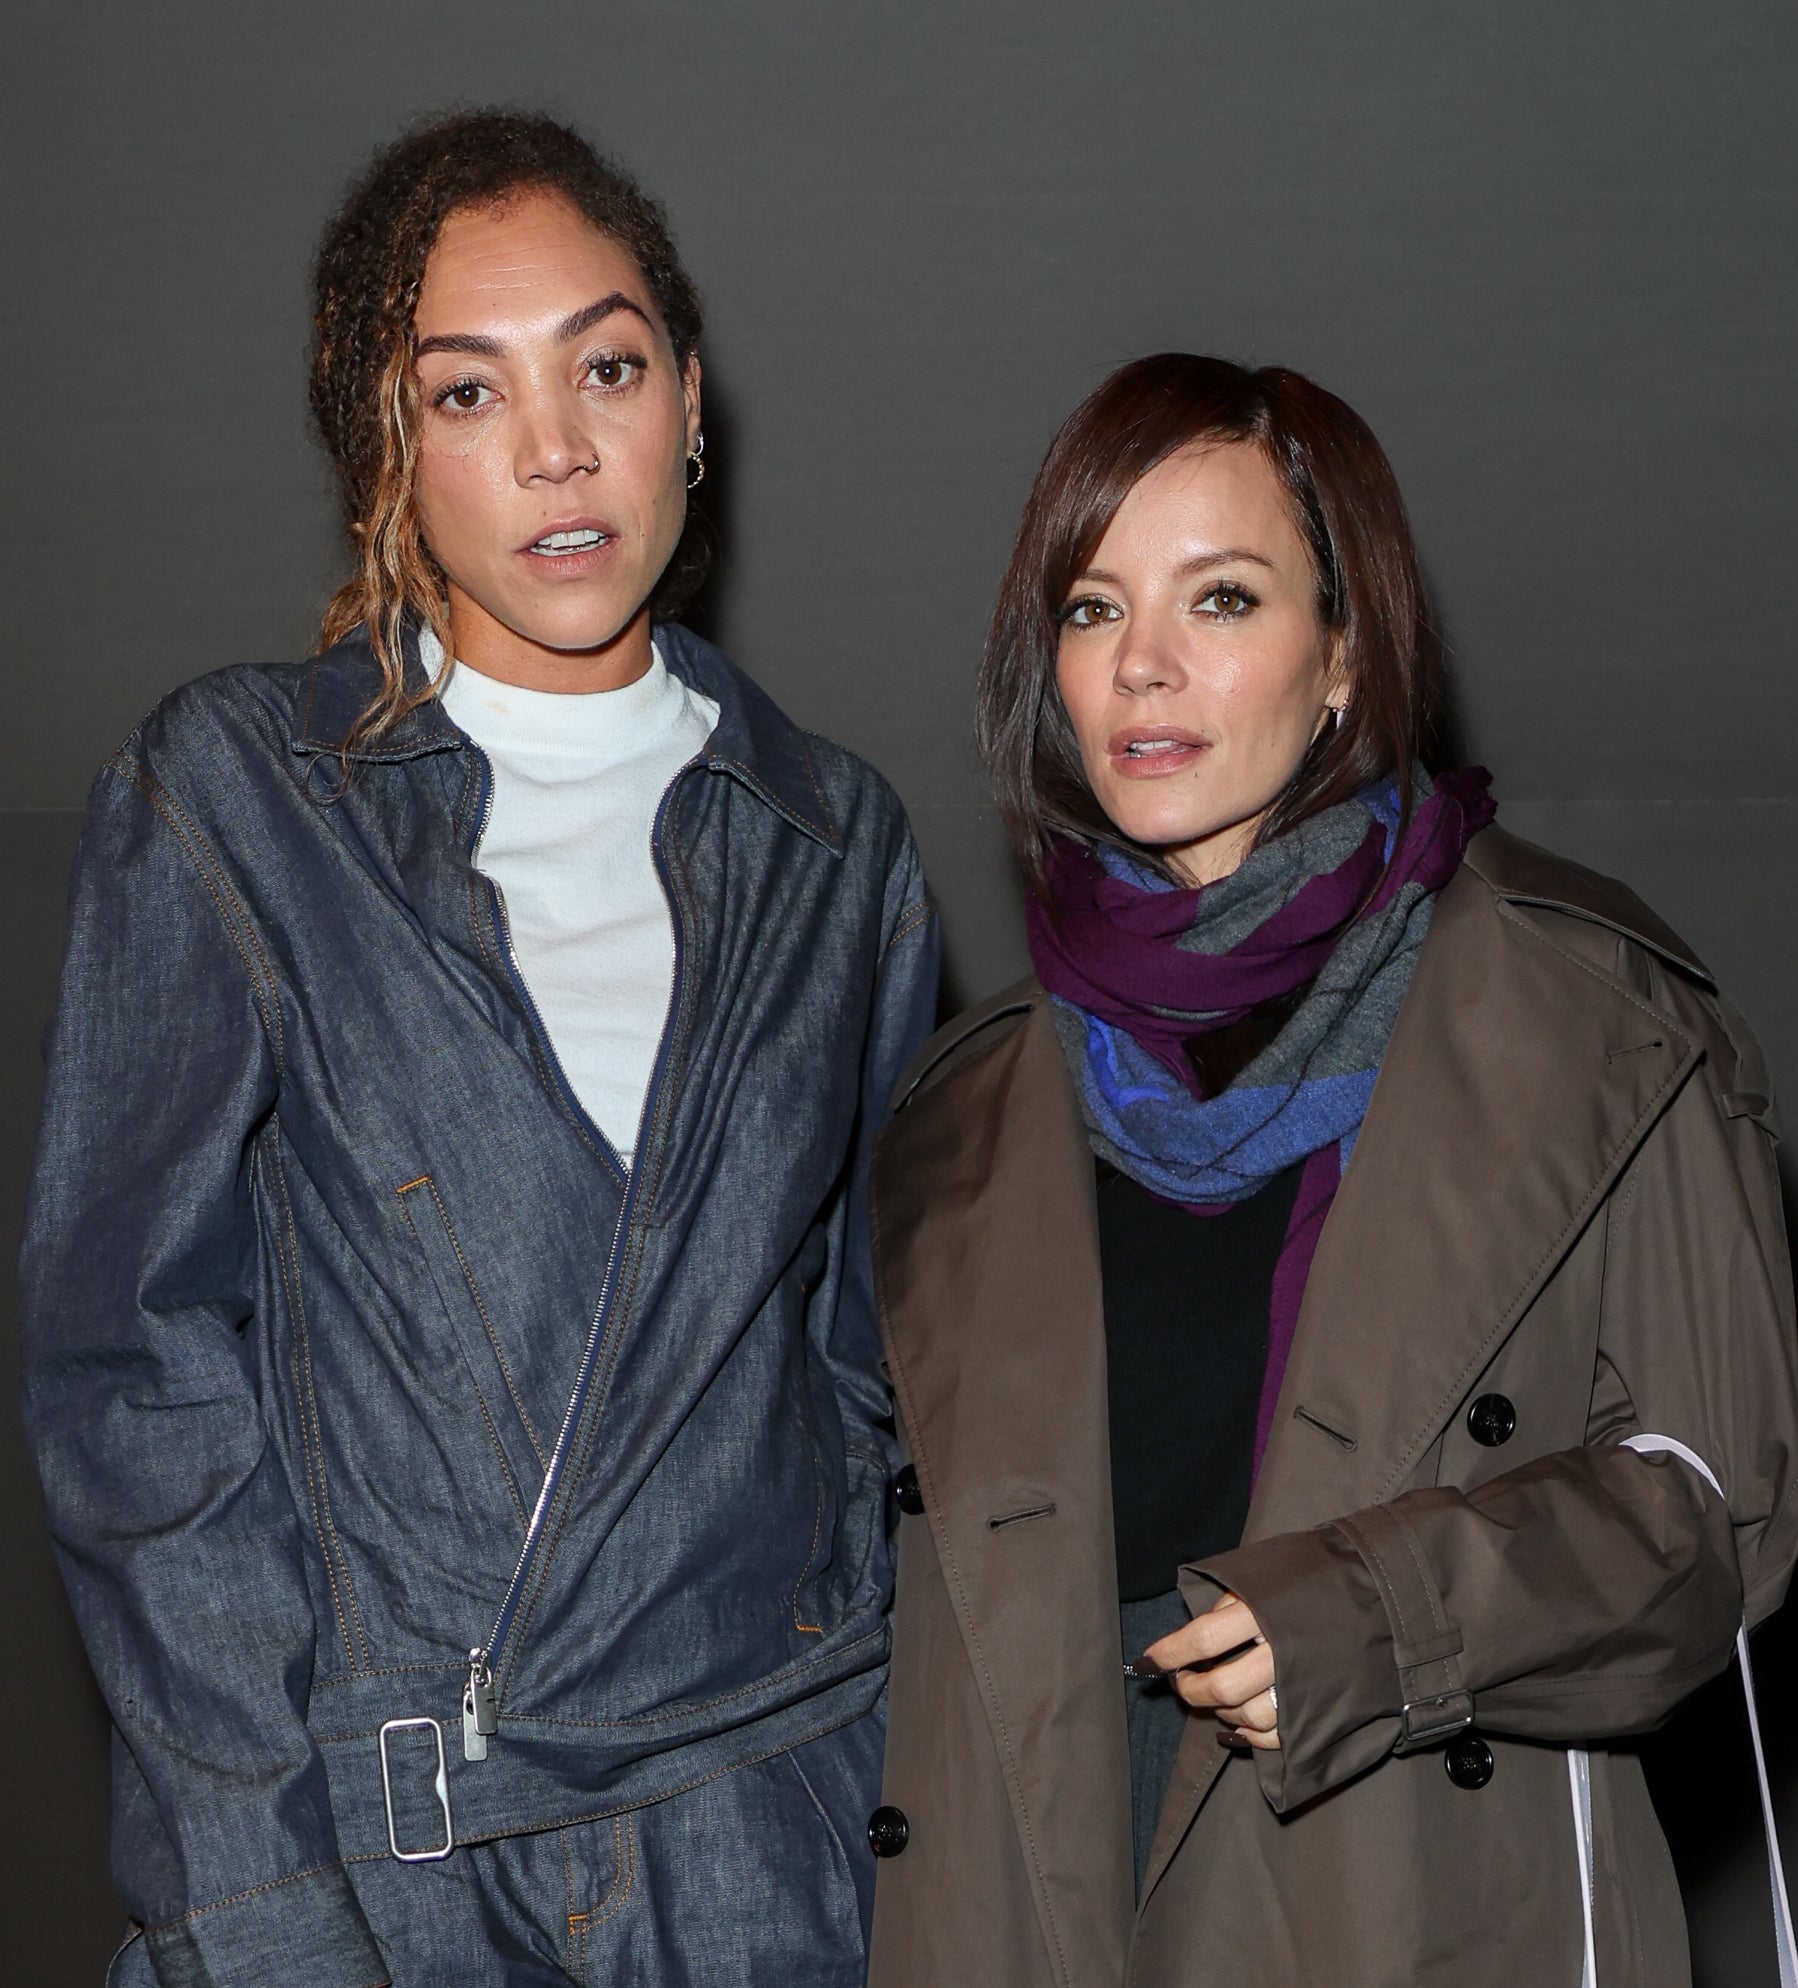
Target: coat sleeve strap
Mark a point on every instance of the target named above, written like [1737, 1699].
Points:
[1426, 1646]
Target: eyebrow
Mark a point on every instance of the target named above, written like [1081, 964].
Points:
[1229, 556]
[478, 345]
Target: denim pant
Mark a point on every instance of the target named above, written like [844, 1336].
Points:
[760, 1879]
[1154, 1718]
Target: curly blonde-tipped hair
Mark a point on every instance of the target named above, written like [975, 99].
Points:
[363, 382]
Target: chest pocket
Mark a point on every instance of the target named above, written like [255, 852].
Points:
[517, 1445]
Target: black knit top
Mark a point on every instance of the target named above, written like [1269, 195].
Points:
[1186, 1317]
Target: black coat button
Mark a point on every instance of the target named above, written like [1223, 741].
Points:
[888, 1831]
[910, 1498]
[1492, 1420]
[1469, 1761]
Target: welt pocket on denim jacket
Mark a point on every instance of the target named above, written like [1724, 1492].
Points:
[514, 1440]
[850, 1526]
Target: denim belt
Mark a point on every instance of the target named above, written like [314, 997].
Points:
[403, 1788]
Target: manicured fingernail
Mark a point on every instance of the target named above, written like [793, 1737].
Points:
[1146, 1666]
[1231, 1736]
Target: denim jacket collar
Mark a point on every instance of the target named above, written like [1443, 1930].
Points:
[754, 740]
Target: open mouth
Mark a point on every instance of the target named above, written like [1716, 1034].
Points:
[1143, 752]
[564, 544]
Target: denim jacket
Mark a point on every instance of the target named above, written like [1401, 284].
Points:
[349, 1348]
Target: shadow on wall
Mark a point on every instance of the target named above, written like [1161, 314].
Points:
[57, 1772]
[1700, 1769]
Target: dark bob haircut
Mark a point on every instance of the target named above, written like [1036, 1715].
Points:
[365, 285]
[1346, 503]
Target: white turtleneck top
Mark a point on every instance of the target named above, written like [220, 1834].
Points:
[577, 780]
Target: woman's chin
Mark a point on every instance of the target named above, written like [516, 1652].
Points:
[1164, 830]
[570, 626]
[1200, 851]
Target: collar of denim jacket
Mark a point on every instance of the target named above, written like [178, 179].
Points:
[754, 741]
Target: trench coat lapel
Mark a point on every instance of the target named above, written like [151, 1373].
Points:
[990, 1301]
[1493, 1134]
[1518, 1082]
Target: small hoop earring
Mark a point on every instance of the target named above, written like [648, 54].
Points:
[695, 464]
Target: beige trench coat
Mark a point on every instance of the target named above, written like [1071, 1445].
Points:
[1564, 1193]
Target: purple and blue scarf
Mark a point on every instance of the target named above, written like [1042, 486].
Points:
[1333, 912]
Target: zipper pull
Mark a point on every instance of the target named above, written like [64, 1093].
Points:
[480, 1711]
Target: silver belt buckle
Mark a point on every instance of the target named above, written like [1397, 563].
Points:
[436, 1854]
[1426, 1720]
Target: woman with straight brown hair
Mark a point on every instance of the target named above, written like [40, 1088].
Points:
[1338, 1309]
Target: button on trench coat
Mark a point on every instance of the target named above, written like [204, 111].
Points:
[1564, 1194]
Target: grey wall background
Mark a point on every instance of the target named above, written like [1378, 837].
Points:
[1546, 249]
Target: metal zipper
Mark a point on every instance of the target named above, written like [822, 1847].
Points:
[480, 1704]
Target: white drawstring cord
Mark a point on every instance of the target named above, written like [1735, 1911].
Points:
[1579, 1775]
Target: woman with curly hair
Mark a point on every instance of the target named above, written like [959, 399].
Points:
[449, 1346]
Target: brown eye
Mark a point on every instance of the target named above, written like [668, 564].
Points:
[462, 396]
[613, 371]
[1227, 603]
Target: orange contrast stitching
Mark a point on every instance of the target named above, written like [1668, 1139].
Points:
[288, 1248]
[505, 1468]
[474, 1291]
